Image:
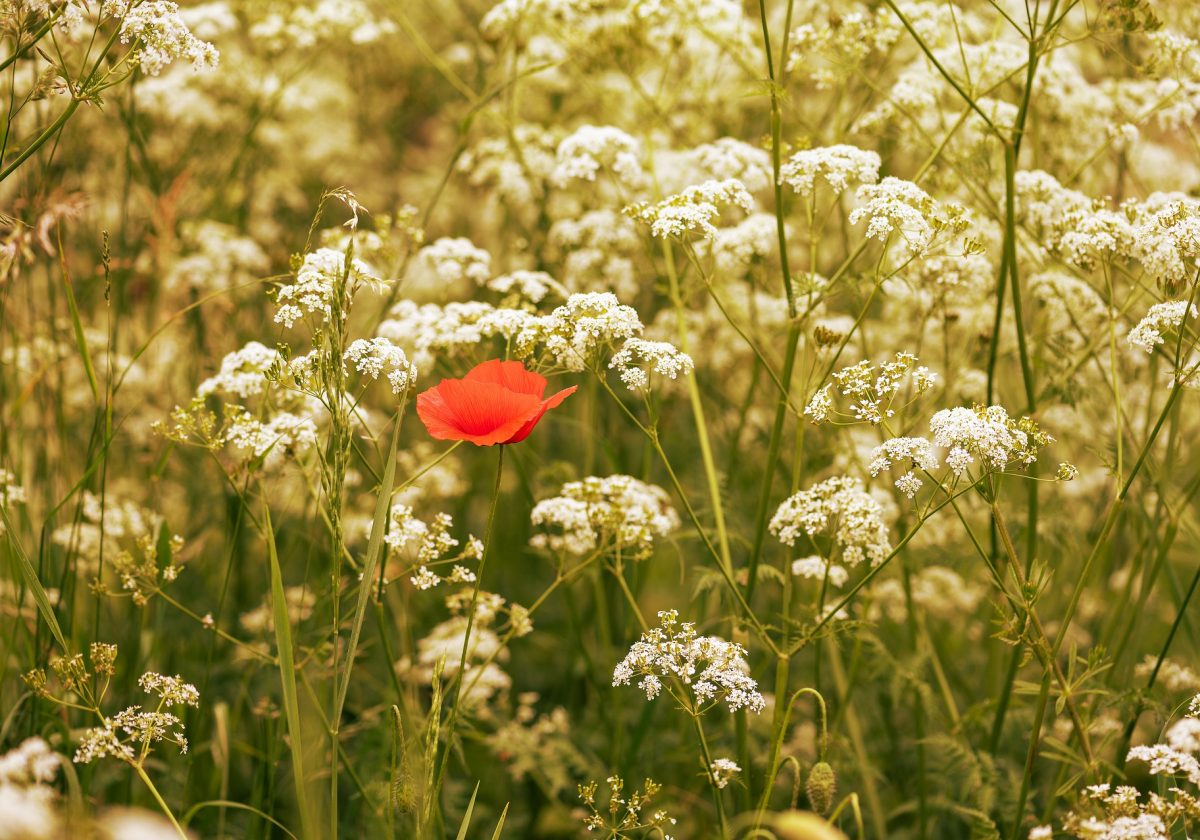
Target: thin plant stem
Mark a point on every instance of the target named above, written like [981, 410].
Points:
[455, 700]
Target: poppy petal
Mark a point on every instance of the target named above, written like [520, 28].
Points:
[511, 375]
[547, 404]
[483, 413]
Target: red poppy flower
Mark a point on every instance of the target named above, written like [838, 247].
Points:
[496, 402]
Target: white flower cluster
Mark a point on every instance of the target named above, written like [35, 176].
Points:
[284, 436]
[30, 763]
[694, 209]
[590, 148]
[1173, 675]
[871, 388]
[1167, 237]
[1162, 317]
[375, 356]
[840, 508]
[815, 567]
[532, 286]
[316, 284]
[142, 729]
[1085, 238]
[1167, 761]
[159, 35]
[172, 691]
[638, 358]
[426, 544]
[750, 241]
[714, 669]
[1041, 199]
[242, 374]
[585, 323]
[919, 454]
[305, 26]
[723, 771]
[1123, 811]
[988, 433]
[424, 578]
[484, 678]
[617, 513]
[896, 205]
[458, 327]
[27, 792]
[216, 256]
[833, 46]
[840, 166]
[1184, 735]
[457, 258]
[730, 158]
[108, 524]
[596, 250]
[515, 168]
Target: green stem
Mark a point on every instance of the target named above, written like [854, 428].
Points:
[489, 536]
[708, 763]
[158, 798]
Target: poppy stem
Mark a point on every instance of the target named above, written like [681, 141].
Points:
[435, 793]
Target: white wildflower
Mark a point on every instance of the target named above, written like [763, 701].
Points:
[585, 323]
[638, 358]
[532, 286]
[316, 284]
[714, 669]
[840, 508]
[815, 567]
[988, 433]
[591, 148]
[618, 511]
[693, 210]
[457, 258]
[1162, 317]
[916, 451]
[375, 356]
[159, 35]
[840, 166]
[242, 373]
[723, 771]
[895, 205]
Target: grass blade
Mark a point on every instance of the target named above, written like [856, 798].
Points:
[29, 574]
[466, 820]
[500, 824]
[287, 674]
[374, 549]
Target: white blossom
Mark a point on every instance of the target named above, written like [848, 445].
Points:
[1168, 315]
[638, 358]
[840, 508]
[715, 670]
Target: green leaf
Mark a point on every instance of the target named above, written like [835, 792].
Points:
[374, 550]
[287, 674]
[29, 574]
[466, 820]
[500, 825]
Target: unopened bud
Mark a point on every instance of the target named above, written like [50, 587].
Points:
[821, 787]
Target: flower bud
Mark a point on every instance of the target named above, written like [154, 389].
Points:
[821, 787]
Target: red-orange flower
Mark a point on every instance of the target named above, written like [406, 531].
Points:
[496, 402]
